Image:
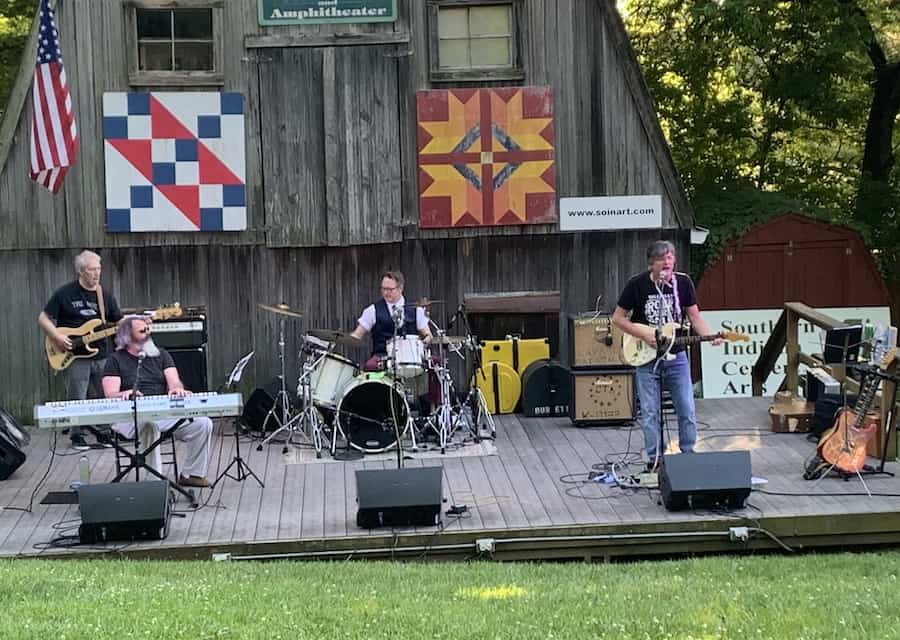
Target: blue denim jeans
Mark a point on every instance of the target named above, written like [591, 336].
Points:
[83, 380]
[676, 378]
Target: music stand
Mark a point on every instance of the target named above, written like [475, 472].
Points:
[243, 469]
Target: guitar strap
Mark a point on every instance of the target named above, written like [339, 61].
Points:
[100, 304]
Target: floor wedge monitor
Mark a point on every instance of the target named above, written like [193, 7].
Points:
[705, 480]
[399, 497]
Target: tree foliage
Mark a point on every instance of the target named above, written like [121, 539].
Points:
[15, 21]
[778, 96]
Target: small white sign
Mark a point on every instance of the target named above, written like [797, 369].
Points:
[726, 368]
[610, 213]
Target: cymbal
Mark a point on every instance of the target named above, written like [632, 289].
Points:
[337, 336]
[281, 309]
[448, 339]
[424, 302]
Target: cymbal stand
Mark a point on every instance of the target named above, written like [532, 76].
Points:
[307, 416]
[475, 399]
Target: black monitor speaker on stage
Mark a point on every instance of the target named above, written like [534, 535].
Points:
[13, 438]
[399, 497]
[123, 511]
[705, 480]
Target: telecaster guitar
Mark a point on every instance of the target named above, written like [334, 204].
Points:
[83, 337]
[636, 352]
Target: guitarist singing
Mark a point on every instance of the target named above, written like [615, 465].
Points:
[72, 305]
[650, 300]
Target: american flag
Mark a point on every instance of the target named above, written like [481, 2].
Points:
[54, 139]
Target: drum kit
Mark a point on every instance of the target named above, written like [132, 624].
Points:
[411, 397]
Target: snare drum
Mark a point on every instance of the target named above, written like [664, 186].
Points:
[409, 354]
[367, 418]
[328, 379]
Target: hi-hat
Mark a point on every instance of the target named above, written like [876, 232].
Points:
[281, 309]
[424, 302]
[337, 336]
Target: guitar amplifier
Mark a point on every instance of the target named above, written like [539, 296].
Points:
[185, 332]
[594, 341]
[602, 396]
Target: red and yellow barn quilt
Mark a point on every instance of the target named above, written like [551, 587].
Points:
[486, 157]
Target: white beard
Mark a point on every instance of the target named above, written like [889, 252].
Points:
[150, 348]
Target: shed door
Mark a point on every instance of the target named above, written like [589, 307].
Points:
[330, 145]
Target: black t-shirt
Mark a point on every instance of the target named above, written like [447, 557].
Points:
[641, 297]
[153, 381]
[72, 305]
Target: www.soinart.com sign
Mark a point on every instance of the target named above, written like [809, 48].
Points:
[320, 11]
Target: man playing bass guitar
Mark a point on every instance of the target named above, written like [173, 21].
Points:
[72, 305]
[650, 300]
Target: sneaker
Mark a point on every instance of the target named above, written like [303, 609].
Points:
[193, 481]
[79, 443]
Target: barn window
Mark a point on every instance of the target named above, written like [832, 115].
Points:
[175, 42]
[474, 40]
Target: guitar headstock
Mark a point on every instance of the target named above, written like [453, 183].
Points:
[164, 313]
[889, 356]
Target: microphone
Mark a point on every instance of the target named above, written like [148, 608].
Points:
[398, 316]
[460, 310]
[142, 355]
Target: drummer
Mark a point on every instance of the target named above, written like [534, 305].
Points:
[388, 317]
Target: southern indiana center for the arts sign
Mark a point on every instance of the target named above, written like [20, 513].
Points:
[322, 11]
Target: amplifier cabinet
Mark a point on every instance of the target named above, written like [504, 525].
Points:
[594, 341]
[180, 333]
[602, 396]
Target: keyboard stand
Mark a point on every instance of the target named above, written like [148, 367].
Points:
[137, 460]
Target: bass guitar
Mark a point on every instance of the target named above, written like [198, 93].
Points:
[83, 337]
[636, 352]
[843, 446]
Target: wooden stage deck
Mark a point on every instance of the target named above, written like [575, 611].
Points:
[526, 502]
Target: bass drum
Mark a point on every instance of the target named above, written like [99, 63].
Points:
[366, 415]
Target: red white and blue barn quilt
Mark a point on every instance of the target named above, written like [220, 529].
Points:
[174, 161]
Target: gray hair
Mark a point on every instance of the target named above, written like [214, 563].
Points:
[123, 333]
[82, 258]
[658, 250]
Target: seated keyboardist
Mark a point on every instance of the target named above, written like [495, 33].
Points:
[137, 357]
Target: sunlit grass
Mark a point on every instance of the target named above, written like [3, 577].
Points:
[837, 596]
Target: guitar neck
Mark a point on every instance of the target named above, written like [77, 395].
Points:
[682, 340]
[105, 332]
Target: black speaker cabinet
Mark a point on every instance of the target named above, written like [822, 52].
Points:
[191, 365]
[399, 497]
[704, 480]
[123, 511]
[258, 406]
[602, 396]
[12, 440]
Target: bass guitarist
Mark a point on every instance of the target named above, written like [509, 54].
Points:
[71, 306]
[650, 300]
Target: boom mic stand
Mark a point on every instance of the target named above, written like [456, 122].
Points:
[243, 470]
[395, 384]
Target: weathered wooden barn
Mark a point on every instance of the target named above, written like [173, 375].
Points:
[332, 182]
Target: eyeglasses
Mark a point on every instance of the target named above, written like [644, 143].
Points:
[143, 331]
[389, 288]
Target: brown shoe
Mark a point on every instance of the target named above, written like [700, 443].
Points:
[193, 481]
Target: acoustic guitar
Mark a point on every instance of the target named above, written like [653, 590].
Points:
[843, 446]
[90, 332]
[636, 352]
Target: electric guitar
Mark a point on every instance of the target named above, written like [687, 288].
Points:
[636, 352]
[843, 446]
[90, 332]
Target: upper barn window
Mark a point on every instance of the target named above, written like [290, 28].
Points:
[175, 42]
[474, 40]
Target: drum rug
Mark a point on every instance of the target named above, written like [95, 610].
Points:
[456, 448]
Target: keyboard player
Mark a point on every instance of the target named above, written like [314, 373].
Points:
[136, 351]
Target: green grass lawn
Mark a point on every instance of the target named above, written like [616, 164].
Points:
[814, 596]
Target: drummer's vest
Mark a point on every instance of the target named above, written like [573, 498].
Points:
[384, 326]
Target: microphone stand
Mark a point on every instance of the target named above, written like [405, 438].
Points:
[395, 384]
[134, 415]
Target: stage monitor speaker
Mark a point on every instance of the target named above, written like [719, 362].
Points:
[258, 406]
[123, 511]
[705, 480]
[399, 497]
[602, 396]
[191, 365]
[12, 440]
